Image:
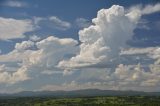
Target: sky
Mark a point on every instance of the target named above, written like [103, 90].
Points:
[79, 44]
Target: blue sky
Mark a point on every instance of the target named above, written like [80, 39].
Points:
[75, 44]
[68, 11]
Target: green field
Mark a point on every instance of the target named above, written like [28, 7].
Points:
[86, 101]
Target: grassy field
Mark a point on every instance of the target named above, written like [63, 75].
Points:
[86, 101]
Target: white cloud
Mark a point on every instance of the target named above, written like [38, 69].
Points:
[11, 78]
[59, 24]
[14, 3]
[52, 22]
[2, 67]
[101, 44]
[12, 28]
[149, 9]
[136, 76]
[49, 52]
[143, 24]
[83, 23]
[37, 19]
[67, 72]
[136, 51]
[103, 41]
[53, 50]
[34, 38]
[125, 77]
[155, 54]
[14, 56]
[24, 45]
[148, 85]
[151, 52]
[139, 10]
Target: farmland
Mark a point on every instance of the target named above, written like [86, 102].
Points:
[82, 101]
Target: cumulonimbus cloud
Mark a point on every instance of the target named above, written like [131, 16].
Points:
[102, 42]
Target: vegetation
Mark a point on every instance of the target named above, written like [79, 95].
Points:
[86, 101]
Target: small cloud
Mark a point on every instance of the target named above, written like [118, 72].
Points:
[15, 3]
[143, 24]
[24, 45]
[149, 9]
[36, 20]
[83, 23]
[34, 38]
[52, 22]
[67, 72]
[146, 10]
[50, 72]
[59, 24]
[11, 28]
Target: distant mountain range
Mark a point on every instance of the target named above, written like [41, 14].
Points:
[80, 93]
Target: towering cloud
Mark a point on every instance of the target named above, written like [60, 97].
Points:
[103, 41]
